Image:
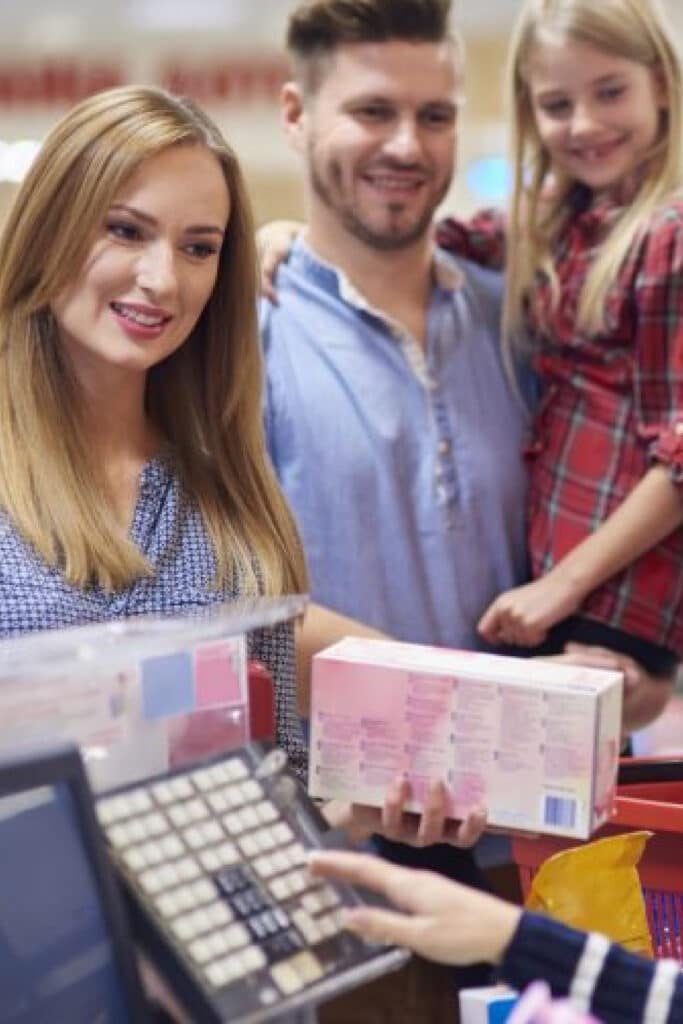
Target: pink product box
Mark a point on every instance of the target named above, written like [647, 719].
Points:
[536, 743]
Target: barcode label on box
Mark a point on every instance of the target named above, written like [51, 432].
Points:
[559, 811]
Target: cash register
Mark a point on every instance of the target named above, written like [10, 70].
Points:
[202, 869]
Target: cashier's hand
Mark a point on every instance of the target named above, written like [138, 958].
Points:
[437, 918]
[432, 826]
[645, 695]
[524, 615]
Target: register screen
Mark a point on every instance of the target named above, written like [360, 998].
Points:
[55, 950]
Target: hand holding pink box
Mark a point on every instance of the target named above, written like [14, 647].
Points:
[534, 742]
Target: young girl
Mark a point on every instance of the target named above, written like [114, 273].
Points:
[596, 284]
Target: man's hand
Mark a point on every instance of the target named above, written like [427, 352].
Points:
[432, 826]
[645, 695]
[524, 615]
[437, 918]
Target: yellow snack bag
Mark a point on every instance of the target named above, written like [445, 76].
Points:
[596, 887]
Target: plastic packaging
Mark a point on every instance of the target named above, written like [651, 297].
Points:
[596, 887]
[139, 695]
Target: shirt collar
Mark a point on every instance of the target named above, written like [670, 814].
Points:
[446, 273]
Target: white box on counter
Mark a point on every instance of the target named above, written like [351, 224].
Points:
[535, 742]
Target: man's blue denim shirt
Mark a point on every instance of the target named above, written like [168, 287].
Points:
[403, 465]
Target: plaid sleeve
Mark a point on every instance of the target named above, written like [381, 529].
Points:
[658, 377]
[480, 239]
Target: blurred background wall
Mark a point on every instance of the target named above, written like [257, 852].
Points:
[228, 54]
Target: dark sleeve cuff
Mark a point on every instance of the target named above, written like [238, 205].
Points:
[545, 949]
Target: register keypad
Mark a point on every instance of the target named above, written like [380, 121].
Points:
[210, 853]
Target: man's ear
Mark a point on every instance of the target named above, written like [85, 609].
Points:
[293, 113]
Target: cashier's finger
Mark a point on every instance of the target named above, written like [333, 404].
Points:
[394, 882]
[384, 926]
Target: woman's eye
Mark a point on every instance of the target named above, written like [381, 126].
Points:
[201, 250]
[123, 230]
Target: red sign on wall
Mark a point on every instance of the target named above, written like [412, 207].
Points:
[242, 81]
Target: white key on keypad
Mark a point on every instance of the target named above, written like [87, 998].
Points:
[228, 854]
[169, 875]
[307, 926]
[264, 867]
[184, 927]
[281, 888]
[163, 793]
[109, 811]
[151, 882]
[139, 801]
[193, 837]
[218, 914]
[203, 891]
[155, 823]
[201, 951]
[118, 835]
[283, 832]
[237, 769]
[218, 943]
[196, 809]
[184, 897]
[232, 796]
[253, 958]
[280, 860]
[187, 869]
[153, 853]
[248, 846]
[202, 779]
[172, 846]
[218, 974]
[137, 830]
[251, 790]
[307, 966]
[135, 858]
[178, 815]
[210, 860]
[217, 802]
[210, 831]
[232, 823]
[169, 905]
[286, 978]
[249, 817]
[237, 935]
[181, 787]
[267, 812]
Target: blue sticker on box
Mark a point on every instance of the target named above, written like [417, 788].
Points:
[167, 685]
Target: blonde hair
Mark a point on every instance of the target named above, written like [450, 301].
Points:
[205, 398]
[637, 31]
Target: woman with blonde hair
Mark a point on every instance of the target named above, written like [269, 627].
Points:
[133, 473]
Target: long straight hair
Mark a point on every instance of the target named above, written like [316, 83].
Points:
[637, 31]
[205, 398]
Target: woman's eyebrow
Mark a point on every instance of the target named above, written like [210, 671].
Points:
[195, 229]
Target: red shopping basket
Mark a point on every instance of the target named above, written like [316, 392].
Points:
[657, 807]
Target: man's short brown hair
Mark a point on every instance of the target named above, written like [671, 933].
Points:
[317, 27]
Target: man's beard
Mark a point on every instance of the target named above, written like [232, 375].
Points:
[384, 240]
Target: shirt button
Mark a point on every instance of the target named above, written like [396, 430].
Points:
[445, 447]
